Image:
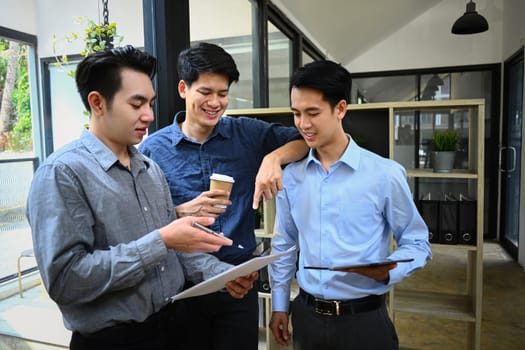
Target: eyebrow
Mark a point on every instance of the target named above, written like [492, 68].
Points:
[309, 109]
[142, 98]
[207, 89]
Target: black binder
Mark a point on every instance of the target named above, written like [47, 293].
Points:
[448, 222]
[467, 219]
[429, 210]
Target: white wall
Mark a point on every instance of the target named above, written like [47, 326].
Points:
[58, 17]
[19, 15]
[427, 41]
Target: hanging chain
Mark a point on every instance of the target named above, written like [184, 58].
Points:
[105, 12]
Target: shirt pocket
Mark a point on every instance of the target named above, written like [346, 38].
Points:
[357, 222]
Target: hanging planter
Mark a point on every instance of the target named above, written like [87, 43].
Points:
[99, 37]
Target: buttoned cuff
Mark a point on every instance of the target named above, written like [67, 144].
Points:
[280, 301]
[151, 248]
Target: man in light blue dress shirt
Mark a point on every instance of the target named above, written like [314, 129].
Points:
[340, 206]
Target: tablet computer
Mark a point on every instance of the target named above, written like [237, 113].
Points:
[363, 264]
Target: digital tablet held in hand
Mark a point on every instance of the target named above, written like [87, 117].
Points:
[363, 264]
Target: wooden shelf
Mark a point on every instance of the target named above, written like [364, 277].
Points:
[459, 307]
[259, 232]
[455, 174]
[447, 306]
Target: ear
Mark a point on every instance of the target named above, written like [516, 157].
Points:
[340, 109]
[182, 89]
[97, 103]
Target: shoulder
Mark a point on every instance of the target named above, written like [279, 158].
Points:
[295, 172]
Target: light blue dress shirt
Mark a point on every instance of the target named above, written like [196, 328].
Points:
[342, 217]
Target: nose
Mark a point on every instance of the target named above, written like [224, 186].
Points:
[213, 100]
[148, 115]
[302, 123]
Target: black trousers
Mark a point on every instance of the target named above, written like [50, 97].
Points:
[372, 330]
[218, 322]
[152, 334]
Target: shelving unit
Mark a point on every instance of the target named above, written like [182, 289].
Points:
[465, 305]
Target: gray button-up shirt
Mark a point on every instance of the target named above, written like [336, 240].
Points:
[95, 233]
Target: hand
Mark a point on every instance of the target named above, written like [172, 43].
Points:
[204, 205]
[378, 273]
[239, 287]
[268, 181]
[180, 235]
[279, 327]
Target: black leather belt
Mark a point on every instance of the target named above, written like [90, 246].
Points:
[343, 307]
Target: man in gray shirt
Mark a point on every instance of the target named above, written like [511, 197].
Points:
[110, 250]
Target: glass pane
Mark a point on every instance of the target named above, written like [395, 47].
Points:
[435, 87]
[16, 130]
[384, 89]
[235, 38]
[279, 67]
[17, 156]
[15, 233]
[306, 58]
[67, 110]
[511, 164]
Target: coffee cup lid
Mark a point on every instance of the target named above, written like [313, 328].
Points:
[221, 177]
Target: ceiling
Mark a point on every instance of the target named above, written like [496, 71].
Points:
[362, 23]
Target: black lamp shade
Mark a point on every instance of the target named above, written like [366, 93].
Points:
[471, 22]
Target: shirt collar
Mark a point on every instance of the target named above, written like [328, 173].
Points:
[350, 156]
[105, 157]
[222, 128]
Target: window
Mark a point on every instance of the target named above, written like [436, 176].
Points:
[19, 146]
[279, 66]
[233, 33]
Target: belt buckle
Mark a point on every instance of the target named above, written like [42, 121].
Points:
[327, 312]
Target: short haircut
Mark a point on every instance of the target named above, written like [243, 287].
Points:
[100, 71]
[206, 58]
[329, 78]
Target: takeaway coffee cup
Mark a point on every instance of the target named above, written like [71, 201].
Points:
[221, 182]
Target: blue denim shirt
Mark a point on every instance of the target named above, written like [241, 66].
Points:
[236, 148]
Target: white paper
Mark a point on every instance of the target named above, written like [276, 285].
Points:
[217, 282]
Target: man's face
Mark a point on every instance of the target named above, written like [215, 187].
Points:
[314, 118]
[126, 121]
[206, 99]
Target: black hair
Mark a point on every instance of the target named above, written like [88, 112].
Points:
[100, 71]
[329, 78]
[206, 58]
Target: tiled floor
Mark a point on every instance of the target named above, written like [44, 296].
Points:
[503, 328]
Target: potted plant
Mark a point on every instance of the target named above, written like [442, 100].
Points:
[444, 145]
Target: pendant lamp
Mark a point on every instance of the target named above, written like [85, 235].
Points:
[471, 22]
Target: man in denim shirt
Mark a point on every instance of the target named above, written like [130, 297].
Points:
[109, 249]
[201, 142]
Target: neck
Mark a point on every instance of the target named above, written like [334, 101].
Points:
[195, 131]
[331, 153]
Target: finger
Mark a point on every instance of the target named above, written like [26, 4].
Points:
[256, 197]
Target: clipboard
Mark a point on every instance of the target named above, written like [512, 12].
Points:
[363, 264]
[217, 283]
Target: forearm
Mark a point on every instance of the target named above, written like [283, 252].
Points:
[290, 152]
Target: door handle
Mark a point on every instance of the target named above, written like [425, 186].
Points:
[513, 167]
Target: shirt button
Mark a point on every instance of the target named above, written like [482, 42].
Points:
[162, 268]
[145, 208]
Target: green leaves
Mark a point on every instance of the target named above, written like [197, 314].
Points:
[445, 141]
